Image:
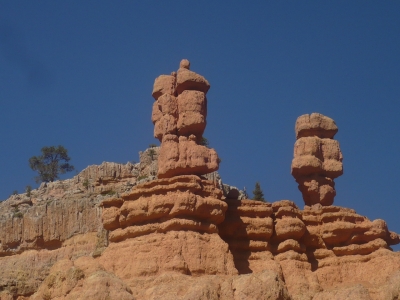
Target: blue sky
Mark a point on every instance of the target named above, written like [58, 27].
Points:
[80, 74]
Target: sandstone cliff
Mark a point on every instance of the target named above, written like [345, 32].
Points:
[168, 228]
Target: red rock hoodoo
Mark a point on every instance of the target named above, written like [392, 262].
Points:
[172, 222]
[317, 158]
[179, 117]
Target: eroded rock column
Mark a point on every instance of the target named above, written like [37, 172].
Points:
[179, 118]
[317, 158]
[171, 223]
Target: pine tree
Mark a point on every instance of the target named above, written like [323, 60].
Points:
[52, 163]
[258, 194]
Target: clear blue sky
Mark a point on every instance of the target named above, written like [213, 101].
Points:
[80, 74]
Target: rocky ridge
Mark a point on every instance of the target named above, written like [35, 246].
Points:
[168, 228]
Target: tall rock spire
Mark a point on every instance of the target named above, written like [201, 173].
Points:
[179, 118]
[317, 158]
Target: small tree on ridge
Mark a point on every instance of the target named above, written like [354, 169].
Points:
[52, 163]
[258, 194]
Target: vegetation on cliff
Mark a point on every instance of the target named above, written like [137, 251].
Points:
[258, 193]
[52, 163]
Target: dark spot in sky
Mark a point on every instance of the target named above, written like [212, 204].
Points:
[15, 51]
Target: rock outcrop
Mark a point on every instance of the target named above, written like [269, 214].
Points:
[335, 231]
[167, 228]
[171, 223]
[317, 158]
[179, 117]
[247, 229]
[48, 225]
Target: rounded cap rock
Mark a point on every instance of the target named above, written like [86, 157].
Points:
[184, 64]
[315, 125]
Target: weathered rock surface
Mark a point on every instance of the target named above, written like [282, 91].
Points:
[48, 225]
[148, 164]
[315, 125]
[164, 84]
[60, 220]
[230, 192]
[205, 287]
[186, 252]
[189, 80]
[165, 116]
[22, 274]
[247, 229]
[312, 250]
[172, 224]
[317, 158]
[337, 231]
[179, 118]
[183, 156]
[61, 209]
[82, 278]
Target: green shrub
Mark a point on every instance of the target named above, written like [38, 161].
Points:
[109, 193]
[18, 215]
[204, 142]
[28, 190]
[86, 183]
[141, 177]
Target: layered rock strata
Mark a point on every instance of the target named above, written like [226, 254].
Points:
[179, 118]
[312, 250]
[247, 229]
[289, 229]
[335, 231]
[177, 218]
[180, 198]
[317, 158]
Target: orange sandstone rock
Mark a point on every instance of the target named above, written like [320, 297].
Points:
[189, 80]
[247, 228]
[179, 203]
[81, 279]
[344, 232]
[192, 113]
[165, 116]
[179, 118]
[179, 251]
[317, 158]
[164, 84]
[289, 229]
[183, 156]
[315, 125]
[172, 225]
